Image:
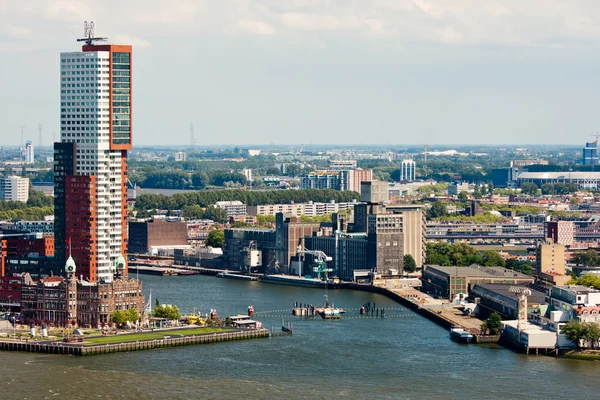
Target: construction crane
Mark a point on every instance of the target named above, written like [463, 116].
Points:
[320, 262]
[522, 293]
[596, 135]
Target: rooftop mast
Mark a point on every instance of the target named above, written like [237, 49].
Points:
[88, 33]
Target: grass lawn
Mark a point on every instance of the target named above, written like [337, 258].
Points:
[134, 337]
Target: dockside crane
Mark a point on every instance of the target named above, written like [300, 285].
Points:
[320, 262]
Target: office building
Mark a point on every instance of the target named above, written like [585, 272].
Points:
[589, 154]
[374, 192]
[233, 208]
[551, 263]
[458, 187]
[29, 155]
[14, 188]
[407, 170]
[180, 156]
[91, 158]
[322, 180]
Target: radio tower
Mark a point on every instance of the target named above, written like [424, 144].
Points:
[192, 138]
[40, 136]
[22, 145]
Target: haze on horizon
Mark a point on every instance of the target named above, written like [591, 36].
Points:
[318, 71]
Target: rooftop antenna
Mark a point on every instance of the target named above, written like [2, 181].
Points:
[89, 32]
[22, 145]
[192, 138]
[41, 136]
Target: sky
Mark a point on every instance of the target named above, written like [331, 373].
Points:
[249, 72]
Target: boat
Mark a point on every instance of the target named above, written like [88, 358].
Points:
[330, 313]
[240, 277]
[293, 280]
[460, 335]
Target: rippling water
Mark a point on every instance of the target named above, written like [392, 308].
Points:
[395, 358]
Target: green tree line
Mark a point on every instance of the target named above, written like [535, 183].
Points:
[210, 197]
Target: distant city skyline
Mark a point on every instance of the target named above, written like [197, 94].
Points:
[315, 72]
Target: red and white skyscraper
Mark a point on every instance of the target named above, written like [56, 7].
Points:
[91, 158]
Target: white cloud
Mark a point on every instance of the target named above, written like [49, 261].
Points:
[256, 27]
[456, 22]
[133, 41]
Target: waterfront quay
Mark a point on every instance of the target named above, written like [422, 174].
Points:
[445, 314]
[94, 345]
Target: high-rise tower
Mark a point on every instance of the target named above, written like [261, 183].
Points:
[91, 158]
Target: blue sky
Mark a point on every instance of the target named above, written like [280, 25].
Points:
[318, 71]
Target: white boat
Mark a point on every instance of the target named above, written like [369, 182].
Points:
[460, 335]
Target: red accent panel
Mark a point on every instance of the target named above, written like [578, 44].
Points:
[80, 223]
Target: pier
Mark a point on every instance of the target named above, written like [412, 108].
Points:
[168, 340]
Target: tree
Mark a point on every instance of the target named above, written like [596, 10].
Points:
[462, 196]
[132, 315]
[438, 209]
[591, 333]
[168, 312]
[477, 194]
[410, 264]
[574, 331]
[118, 317]
[547, 188]
[216, 238]
[216, 214]
[529, 188]
[492, 325]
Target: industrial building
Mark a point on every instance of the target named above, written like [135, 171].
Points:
[150, 236]
[455, 282]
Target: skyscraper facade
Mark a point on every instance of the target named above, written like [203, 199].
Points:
[91, 159]
[589, 154]
[29, 155]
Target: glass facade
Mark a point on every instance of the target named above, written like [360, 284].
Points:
[121, 98]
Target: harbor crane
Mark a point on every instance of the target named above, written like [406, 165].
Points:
[522, 293]
[320, 262]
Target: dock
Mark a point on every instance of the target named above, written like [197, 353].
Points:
[443, 313]
[160, 270]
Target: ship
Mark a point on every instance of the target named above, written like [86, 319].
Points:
[460, 335]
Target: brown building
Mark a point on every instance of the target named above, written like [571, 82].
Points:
[70, 301]
[143, 236]
[289, 233]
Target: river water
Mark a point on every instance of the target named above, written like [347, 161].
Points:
[401, 357]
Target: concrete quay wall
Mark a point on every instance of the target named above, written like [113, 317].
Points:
[84, 350]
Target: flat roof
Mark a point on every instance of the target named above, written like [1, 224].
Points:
[504, 290]
[479, 271]
[579, 289]
[566, 175]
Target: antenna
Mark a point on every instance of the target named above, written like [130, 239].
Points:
[40, 136]
[89, 38]
[192, 138]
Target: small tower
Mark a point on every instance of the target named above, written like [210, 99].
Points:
[120, 267]
[71, 273]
